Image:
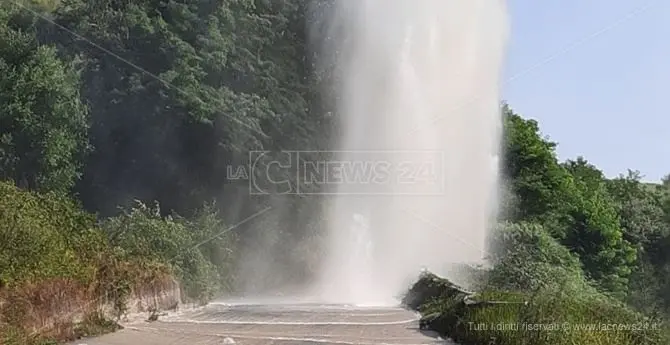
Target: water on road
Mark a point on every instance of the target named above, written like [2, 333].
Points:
[275, 323]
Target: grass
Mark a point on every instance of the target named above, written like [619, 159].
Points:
[59, 268]
[64, 309]
[547, 317]
[43, 5]
[47, 312]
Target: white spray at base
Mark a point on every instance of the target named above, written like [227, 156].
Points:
[419, 97]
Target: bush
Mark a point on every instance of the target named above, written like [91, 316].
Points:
[534, 291]
[44, 237]
[49, 260]
[197, 250]
[525, 257]
[504, 318]
[215, 241]
[56, 266]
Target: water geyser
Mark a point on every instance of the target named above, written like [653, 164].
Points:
[419, 99]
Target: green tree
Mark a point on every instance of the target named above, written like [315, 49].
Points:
[640, 209]
[570, 200]
[43, 123]
[594, 231]
[536, 179]
[180, 90]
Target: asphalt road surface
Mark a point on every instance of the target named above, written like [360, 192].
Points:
[275, 323]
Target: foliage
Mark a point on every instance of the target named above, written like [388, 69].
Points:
[51, 248]
[43, 122]
[44, 237]
[216, 241]
[530, 164]
[174, 93]
[551, 318]
[596, 234]
[190, 247]
[641, 213]
[574, 247]
[180, 90]
[536, 294]
[570, 200]
[125, 104]
[527, 258]
[50, 257]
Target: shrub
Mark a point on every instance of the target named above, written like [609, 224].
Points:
[215, 241]
[536, 294]
[525, 257]
[45, 236]
[188, 247]
[57, 266]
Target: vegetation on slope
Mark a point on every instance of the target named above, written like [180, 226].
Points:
[576, 258]
[109, 106]
[57, 265]
[535, 294]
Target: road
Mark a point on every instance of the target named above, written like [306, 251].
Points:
[274, 324]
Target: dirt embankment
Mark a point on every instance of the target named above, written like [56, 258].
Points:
[62, 309]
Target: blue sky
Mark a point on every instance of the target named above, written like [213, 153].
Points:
[606, 98]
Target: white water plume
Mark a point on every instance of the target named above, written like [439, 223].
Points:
[419, 97]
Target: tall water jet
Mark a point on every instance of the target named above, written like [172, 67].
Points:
[419, 98]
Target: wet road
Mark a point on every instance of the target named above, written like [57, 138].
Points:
[281, 324]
